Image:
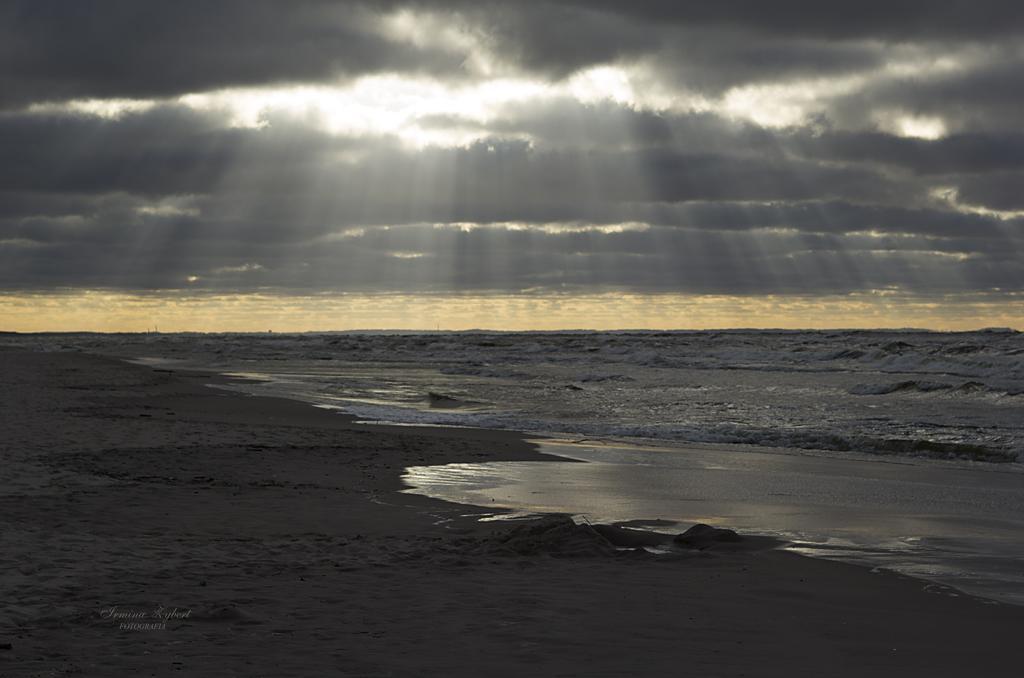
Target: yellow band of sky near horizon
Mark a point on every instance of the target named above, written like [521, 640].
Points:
[103, 311]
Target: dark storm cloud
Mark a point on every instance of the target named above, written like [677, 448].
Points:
[149, 199]
[427, 258]
[53, 50]
[171, 150]
[829, 217]
[61, 49]
[557, 39]
[714, 60]
[885, 19]
[569, 123]
[985, 96]
[956, 154]
[173, 197]
[711, 46]
[1001, 191]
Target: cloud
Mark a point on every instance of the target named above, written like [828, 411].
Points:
[998, 191]
[668, 147]
[62, 49]
[147, 253]
[956, 154]
[971, 88]
[890, 19]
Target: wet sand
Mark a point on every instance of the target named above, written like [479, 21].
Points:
[949, 521]
[274, 539]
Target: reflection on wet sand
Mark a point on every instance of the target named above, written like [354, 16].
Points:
[950, 522]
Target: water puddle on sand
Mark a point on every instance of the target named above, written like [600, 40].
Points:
[956, 524]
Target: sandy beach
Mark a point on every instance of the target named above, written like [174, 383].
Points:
[155, 526]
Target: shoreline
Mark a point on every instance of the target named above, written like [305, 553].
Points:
[545, 448]
[874, 552]
[283, 528]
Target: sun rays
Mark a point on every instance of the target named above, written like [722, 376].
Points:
[471, 158]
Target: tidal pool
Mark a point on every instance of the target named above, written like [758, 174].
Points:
[957, 523]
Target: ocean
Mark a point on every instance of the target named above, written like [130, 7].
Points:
[898, 449]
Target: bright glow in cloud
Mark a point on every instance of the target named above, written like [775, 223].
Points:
[109, 109]
[172, 206]
[601, 84]
[784, 104]
[407, 255]
[794, 102]
[244, 268]
[407, 107]
[428, 30]
[922, 127]
[18, 242]
[554, 228]
[551, 228]
[424, 111]
[950, 196]
[913, 126]
[377, 105]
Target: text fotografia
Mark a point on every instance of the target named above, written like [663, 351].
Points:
[139, 619]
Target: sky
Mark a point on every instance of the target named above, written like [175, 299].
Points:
[309, 165]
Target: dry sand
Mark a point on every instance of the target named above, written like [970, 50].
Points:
[278, 534]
